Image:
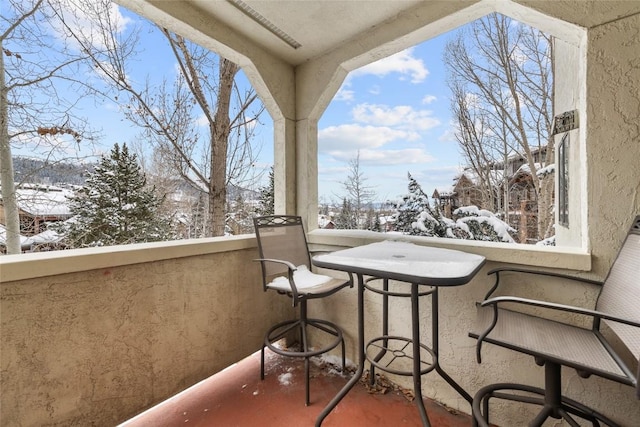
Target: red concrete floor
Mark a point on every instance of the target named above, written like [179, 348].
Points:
[236, 397]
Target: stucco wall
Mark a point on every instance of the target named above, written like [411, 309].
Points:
[97, 347]
[613, 138]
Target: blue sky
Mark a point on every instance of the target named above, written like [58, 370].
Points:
[394, 112]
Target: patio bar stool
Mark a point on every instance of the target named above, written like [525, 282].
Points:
[553, 344]
[286, 269]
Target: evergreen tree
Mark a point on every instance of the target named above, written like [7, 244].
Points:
[115, 206]
[372, 220]
[267, 193]
[481, 224]
[346, 219]
[411, 205]
[239, 218]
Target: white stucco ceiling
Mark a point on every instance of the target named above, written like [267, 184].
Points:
[322, 26]
[318, 26]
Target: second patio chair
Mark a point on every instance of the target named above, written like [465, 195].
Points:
[614, 325]
[286, 268]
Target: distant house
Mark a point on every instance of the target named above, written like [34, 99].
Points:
[39, 205]
[326, 221]
[464, 192]
[521, 205]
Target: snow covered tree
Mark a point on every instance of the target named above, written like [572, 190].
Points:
[42, 80]
[210, 157]
[481, 224]
[501, 76]
[414, 206]
[115, 206]
[267, 194]
[347, 218]
[359, 194]
[416, 216]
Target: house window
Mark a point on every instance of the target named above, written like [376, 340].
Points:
[563, 181]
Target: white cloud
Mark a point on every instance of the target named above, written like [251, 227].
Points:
[395, 157]
[440, 173]
[344, 94]
[428, 99]
[449, 135]
[400, 116]
[351, 137]
[335, 170]
[407, 156]
[202, 120]
[402, 62]
[81, 22]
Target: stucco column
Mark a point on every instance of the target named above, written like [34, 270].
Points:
[307, 171]
[276, 87]
[317, 82]
[284, 166]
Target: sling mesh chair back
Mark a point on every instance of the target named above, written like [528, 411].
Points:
[286, 268]
[591, 351]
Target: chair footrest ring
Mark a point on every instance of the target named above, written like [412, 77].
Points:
[278, 331]
[500, 391]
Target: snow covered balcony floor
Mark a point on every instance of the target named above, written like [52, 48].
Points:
[236, 397]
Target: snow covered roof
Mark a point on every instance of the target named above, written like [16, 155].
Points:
[445, 191]
[546, 170]
[526, 170]
[47, 236]
[43, 200]
[323, 220]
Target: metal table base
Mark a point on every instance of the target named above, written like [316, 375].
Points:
[417, 368]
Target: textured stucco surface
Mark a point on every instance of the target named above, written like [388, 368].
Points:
[97, 347]
[613, 135]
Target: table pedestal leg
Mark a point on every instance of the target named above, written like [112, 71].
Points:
[361, 357]
[415, 335]
[385, 331]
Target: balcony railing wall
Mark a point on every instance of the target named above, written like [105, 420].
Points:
[97, 347]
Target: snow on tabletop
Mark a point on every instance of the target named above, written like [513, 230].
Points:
[302, 277]
[407, 258]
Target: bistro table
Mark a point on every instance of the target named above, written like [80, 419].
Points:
[416, 266]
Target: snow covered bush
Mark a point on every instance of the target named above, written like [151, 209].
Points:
[481, 224]
[416, 216]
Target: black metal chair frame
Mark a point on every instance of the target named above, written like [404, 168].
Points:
[618, 309]
[298, 255]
